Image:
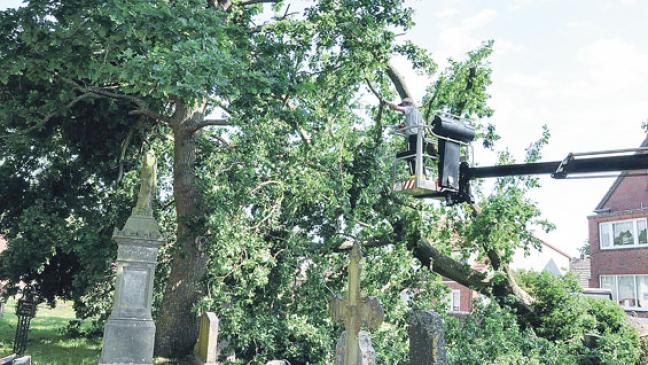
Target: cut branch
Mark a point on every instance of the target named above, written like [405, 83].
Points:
[399, 82]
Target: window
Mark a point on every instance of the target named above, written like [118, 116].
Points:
[630, 291]
[622, 234]
[642, 228]
[609, 282]
[605, 235]
[642, 289]
[627, 292]
[454, 300]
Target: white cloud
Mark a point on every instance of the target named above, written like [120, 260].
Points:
[445, 13]
[454, 41]
[614, 64]
[527, 81]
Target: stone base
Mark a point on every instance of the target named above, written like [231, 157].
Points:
[366, 352]
[198, 361]
[25, 360]
[128, 341]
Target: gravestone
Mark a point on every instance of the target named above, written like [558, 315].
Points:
[129, 333]
[206, 349]
[366, 352]
[427, 342]
[354, 346]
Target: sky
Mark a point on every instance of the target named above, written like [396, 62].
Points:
[578, 66]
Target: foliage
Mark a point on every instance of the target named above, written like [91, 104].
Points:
[559, 333]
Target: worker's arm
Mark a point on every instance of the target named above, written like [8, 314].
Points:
[395, 106]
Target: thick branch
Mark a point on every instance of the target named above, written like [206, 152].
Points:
[222, 122]
[252, 2]
[142, 106]
[399, 82]
[504, 291]
[226, 4]
[472, 73]
[450, 268]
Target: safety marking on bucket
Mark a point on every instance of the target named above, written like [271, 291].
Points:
[409, 184]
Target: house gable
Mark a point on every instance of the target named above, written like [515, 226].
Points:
[628, 192]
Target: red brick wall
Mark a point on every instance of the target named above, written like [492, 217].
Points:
[631, 193]
[615, 261]
[467, 295]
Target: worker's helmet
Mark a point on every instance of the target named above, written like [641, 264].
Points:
[407, 102]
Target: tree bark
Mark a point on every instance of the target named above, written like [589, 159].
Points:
[177, 326]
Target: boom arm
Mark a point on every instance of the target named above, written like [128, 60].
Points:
[454, 176]
[583, 163]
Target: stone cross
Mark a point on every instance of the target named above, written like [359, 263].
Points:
[129, 333]
[427, 343]
[355, 311]
[206, 349]
[148, 184]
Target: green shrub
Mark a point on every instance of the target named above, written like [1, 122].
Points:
[564, 328]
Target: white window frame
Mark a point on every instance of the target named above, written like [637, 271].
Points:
[636, 290]
[610, 224]
[451, 300]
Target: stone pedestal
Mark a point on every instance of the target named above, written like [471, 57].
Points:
[129, 333]
[366, 352]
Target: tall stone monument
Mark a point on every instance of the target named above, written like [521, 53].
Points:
[354, 347]
[129, 333]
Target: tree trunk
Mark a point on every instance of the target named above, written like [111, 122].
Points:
[177, 324]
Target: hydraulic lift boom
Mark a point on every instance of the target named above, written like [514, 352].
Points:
[454, 176]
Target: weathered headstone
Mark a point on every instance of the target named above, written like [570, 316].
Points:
[206, 349]
[427, 342]
[129, 333]
[354, 347]
[366, 352]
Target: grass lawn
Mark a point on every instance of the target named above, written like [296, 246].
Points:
[47, 343]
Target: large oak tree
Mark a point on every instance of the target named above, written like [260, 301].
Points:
[297, 168]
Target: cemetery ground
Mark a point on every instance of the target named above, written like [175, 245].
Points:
[48, 343]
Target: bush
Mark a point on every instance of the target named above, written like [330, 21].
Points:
[564, 328]
[644, 351]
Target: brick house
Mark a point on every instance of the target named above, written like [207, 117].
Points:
[460, 298]
[618, 240]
